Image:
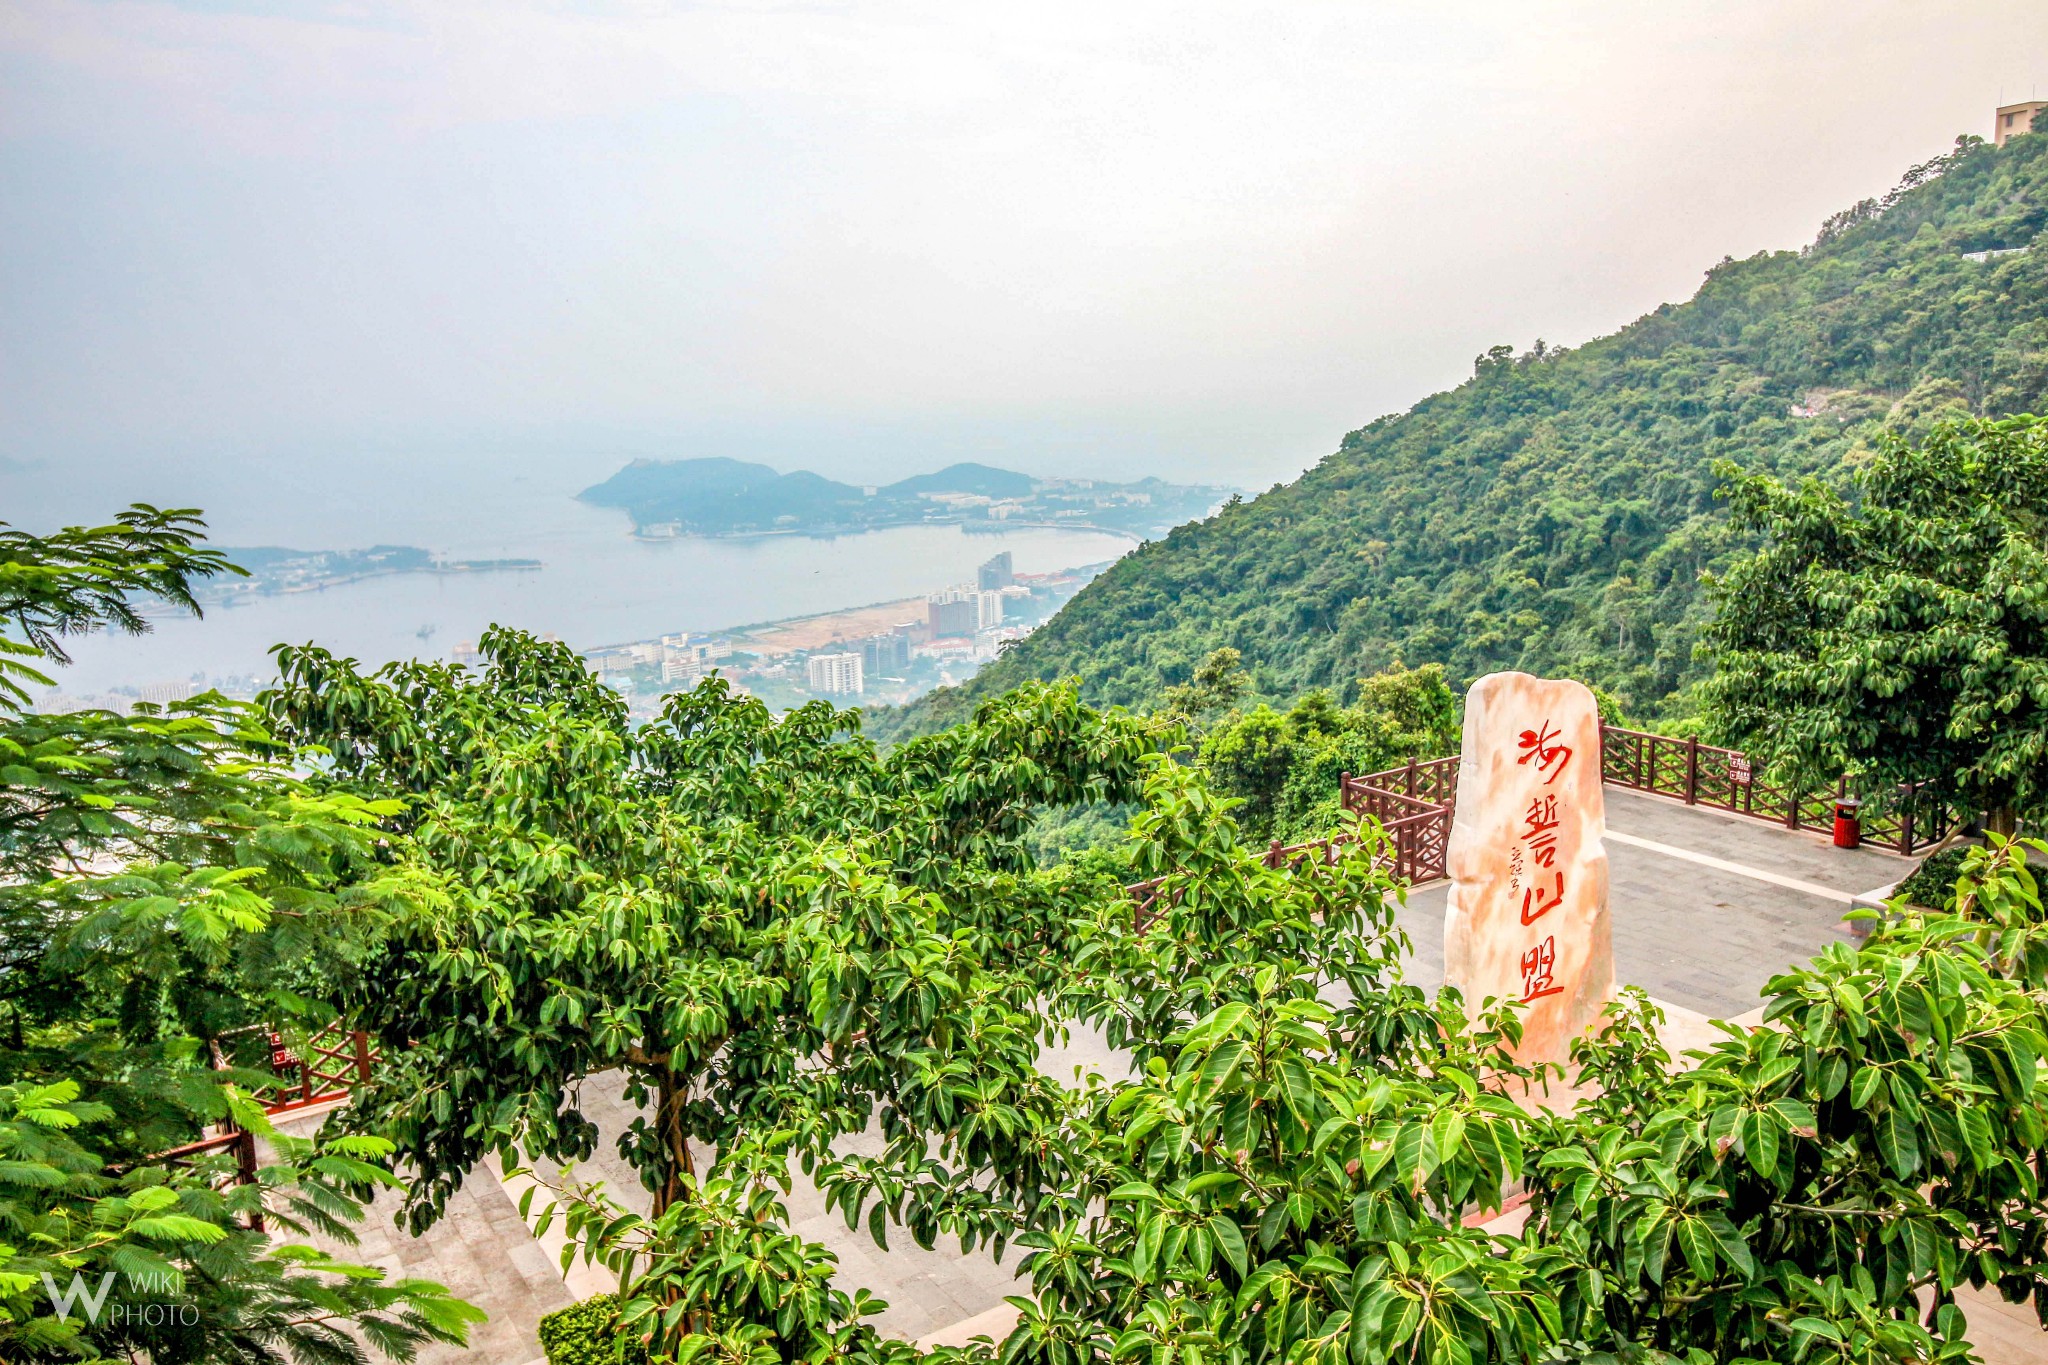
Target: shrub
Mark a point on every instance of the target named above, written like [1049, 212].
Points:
[1933, 883]
[587, 1333]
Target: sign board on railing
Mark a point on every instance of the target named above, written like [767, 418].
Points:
[1738, 769]
[1527, 920]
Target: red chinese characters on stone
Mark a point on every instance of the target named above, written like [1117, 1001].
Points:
[1539, 839]
[1539, 901]
[1539, 830]
[1526, 922]
[1537, 965]
[1543, 746]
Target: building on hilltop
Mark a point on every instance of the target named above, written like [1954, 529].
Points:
[835, 675]
[2013, 119]
[999, 573]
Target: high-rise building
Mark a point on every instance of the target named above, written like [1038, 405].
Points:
[953, 617]
[997, 574]
[888, 652]
[835, 675]
[686, 658]
[2013, 119]
[988, 610]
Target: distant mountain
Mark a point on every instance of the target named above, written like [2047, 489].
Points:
[716, 496]
[985, 480]
[1555, 511]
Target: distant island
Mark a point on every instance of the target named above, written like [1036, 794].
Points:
[722, 497]
[275, 569]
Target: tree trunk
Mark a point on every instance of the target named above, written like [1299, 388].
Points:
[674, 1092]
[2003, 821]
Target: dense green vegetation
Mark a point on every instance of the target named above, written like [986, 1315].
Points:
[774, 937]
[1282, 767]
[584, 1334]
[1901, 635]
[787, 896]
[1286, 766]
[166, 879]
[1287, 1179]
[1933, 883]
[1554, 513]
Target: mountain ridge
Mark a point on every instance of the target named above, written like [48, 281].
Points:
[716, 495]
[1555, 511]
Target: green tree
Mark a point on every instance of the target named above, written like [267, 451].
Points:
[758, 923]
[1899, 635]
[1219, 681]
[171, 1257]
[1286, 767]
[1290, 1173]
[83, 579]
[165, 879]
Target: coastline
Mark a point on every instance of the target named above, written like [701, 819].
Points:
[754, 632]
[343, 580]
[971, 527]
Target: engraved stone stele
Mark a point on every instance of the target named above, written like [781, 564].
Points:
[1528, 904]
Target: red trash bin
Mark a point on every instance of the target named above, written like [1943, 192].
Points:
[1848, 823]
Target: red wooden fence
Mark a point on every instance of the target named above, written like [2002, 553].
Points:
[1416, 802]
[334, 1061]
[1413, 806]
[1725, 779]
[240, 1144]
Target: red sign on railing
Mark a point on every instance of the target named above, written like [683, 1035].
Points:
[336, 1060]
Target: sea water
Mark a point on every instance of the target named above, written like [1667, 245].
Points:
[599, 585]
[607, 589]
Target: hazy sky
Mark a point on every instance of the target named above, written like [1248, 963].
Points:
[1185, 238]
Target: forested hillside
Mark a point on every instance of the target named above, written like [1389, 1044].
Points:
[1554, 513]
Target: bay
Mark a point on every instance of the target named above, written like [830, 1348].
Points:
[597, 586]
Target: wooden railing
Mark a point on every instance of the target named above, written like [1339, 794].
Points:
[1725, 779]
[236, 1142]
[335, 1061]
[1434, 780]
[1415, 804]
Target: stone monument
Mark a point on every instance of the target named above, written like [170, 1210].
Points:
[1528, 903]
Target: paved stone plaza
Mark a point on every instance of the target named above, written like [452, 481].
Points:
[1706, 908]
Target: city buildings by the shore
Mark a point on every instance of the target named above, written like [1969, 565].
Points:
[903, 649]
[883, 654]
